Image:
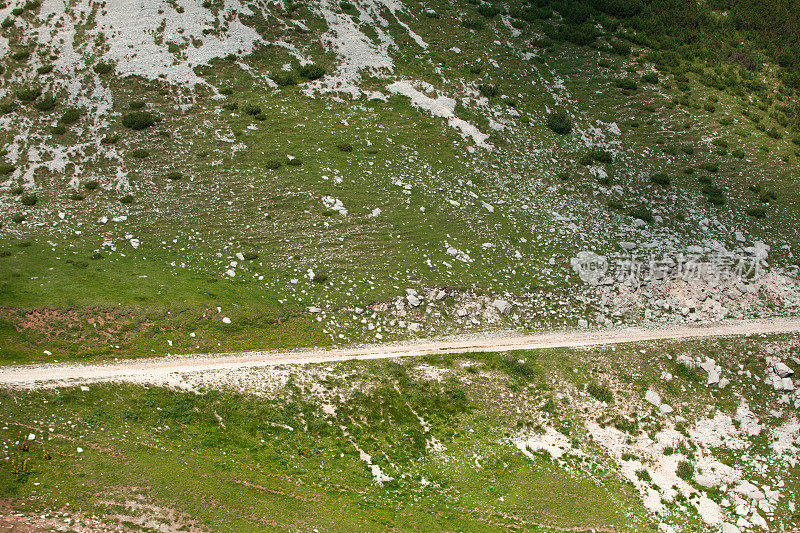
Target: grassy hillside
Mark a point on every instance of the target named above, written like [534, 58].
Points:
[260, 162]
[554, 440]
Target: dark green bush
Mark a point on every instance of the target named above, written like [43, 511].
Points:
[714, 194]
[621, 48]
[140, 153]
[311, 71]
[344, 146]
[252, 109]
[650, 77]
[284, 78]
[710, 166]
[18, 218]
[103, 68]
[139, 120]
[29, 94]
[91, 185]
[250, 256]
[58, 129]
[601, 156]
[45, 69]
[29, 198]
[600, 393]
[6, 107]
[738, 153]
[21, 55]
[71, 116]
[473, 24]
[488, 10]
[174, 175]
[626, 84]
[127, 199]
[774, 133]
[757, 212]
[110, 139]
[294, 162]
[16, 190]
[273, 164]
[660, 179]
[45, 103]
[560, 122]
[685, 470]
[487, 90]
[642, 213]
[136, 104]
[6, 169]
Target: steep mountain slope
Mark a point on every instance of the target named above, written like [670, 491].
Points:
[184, 176]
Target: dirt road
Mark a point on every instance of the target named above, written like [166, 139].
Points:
[159, 370]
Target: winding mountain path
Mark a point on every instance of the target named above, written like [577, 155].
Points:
[159, 370]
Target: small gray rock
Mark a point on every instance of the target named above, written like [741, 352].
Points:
[502, 306]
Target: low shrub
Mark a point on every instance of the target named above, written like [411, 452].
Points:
[140, 153]
[487, 90]
[44, 69]
[294, 162]
[92, 185]
[757, 212]
[103, 68]
[139, 120]
[127, 199]
[29, 199]
[18, 218]
[344, 147]
[774, 133]
[6, 107]
[710, 167]
[250, 256]
[642, 213]
[488, 11]
[58, 129]
[768, 196]
[600, 393]
[273, 164]
[626, 84]
[136, 104]
[714, 194]
[285, 78]
[650, 77]
[174, 175]
[21, 55]
[28, 94]
[16, 190]
[620, 48]
[660, 179]
[45, 103]
[560, 122]
[6, 169]
[473, 24]
[311, 71]
[110, 139]
[71, 116]
[252, 109]
[738, 153]
[685, 470]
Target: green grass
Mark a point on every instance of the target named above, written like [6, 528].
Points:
[253, 199]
